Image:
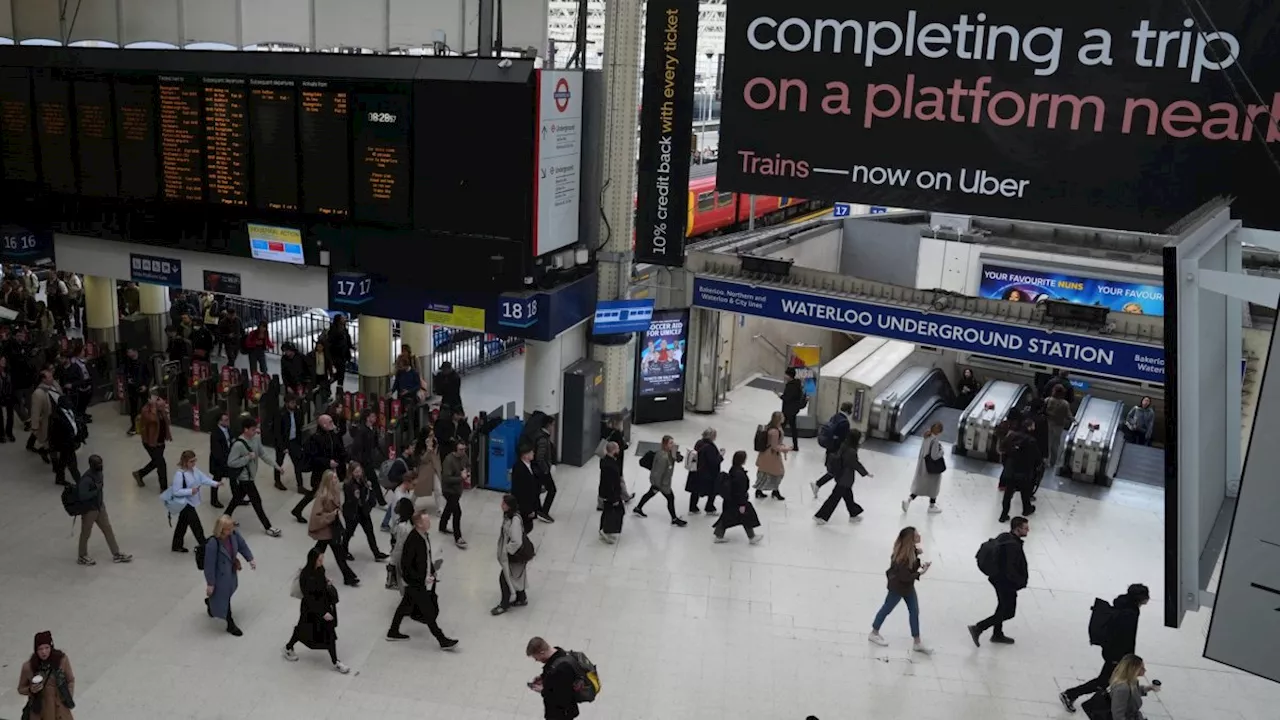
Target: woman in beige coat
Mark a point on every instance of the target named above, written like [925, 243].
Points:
[54, 696]
[324, 526]
[769, 468]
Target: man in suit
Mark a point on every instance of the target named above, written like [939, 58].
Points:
[219, 449]
[418, 570]
[288, 441]
[525, 486]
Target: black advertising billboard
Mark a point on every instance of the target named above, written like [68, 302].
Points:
[666, 126]
[1093, 113]
[660, 367]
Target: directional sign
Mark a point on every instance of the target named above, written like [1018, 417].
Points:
[879, 209]
[841, 210]
[614, 317]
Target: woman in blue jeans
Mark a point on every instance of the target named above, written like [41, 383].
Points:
[904, 570]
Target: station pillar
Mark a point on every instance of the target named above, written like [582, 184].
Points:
[375, 354]
[153, 304]
[622, 43]
[542, 377]
[420, 339]
[704, 327]
[100, 314]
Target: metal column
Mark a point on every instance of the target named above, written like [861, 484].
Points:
[622, 43]
[701, 380]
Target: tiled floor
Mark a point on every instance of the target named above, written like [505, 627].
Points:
[680, 628]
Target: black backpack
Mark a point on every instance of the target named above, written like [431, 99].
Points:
[71, 501]
[1099, 618]
[63, 432]
[834, 463]
[827, 433]
[646, 460]
[1098, 707]
[722, 485]
[761, 440]
[988, 557]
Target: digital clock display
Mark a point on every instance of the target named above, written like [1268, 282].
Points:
[382, 117]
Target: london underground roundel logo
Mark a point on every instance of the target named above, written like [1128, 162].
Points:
[561, 95]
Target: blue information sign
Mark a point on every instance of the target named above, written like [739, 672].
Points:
[155, 270]
[519, 311]
[841, 210]
[617, 317]
[350, 289]
[21, 246]
[1085, 353]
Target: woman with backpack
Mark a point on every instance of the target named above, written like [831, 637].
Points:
[904, 570]
[737, 509]
[513, 557]
[929, 468]
[771, 452]
[704, 471]
[843, 464]
[317, 626]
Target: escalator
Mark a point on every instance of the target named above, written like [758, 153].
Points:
[1094, 444]
[910, 403]
[977, 424]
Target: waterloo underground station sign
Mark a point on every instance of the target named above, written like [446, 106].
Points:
[1125, 116]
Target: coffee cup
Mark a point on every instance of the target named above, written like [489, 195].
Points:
[37, 680]
[1155, 683]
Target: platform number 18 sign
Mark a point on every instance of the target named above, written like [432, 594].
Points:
[519, 312]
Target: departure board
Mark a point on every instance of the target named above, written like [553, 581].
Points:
[226, 141]
[95, 138]
[181, 140]
[273, 138]
[17, 139]
[136, 137]
[381, 153]
[326, 164]
[52, 98]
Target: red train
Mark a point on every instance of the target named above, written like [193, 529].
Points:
[713, 212]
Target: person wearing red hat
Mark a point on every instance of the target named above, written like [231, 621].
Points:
[47, 681]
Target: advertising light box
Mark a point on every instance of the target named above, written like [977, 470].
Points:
[1093, 113]
[1001, 282]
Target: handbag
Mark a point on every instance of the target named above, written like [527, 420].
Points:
[601, 447]
[934, 466]
[295, 587]
[525, 553]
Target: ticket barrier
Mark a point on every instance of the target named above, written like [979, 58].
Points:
[234, 389]
[206, 404]
[175, 388]
[101, 361]
[270, 405]
[500, 442]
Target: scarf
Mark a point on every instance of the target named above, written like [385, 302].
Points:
[35, 702]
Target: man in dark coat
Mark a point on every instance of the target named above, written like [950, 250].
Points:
[448, 385]
[1021, 466]
[288, 441]
[525, 486]
[793, 401]
[1010, 576]
[418, 572]
[610, 493]
[324, 450]
[1121, 639]
[219, 448]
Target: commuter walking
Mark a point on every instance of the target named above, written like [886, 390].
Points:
[325, 527]
[185, 488]
[1038, 428]
[770, 453]
[447, 383]
[404, 525]
[1021, 466]
[1058, 411]
[614, 507]
[219, 450]
[524, 485]
[703, 475]
[242, 461]
[47, 681]
[288, 441]
[454, 476]
[155, 433]
[90, 497]
[222, 554]
[407, 489]
[357, 504]
[1004, 562]
[324, 451]
[339, 346]
[64, 433]
[1140, 423]
[544, 457]
[418, 573]
[660, 474]
[930, 464]
[556, 682]
[846, 467]
[317, 626]
[44, 401]
[137, 381]
[365, 444]
[830, 437]
[904, 570]
[737, 508]
[256, 345]
[514, 553]
[1114, 628]
[1126, 689]
[793, 401]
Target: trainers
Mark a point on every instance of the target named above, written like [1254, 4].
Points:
[694, 511]
[922, 649]
[678, 522]
[819, 520]
[1002, 639]
[976, 635]
[712, 512]
[876, 638]
[273, 532]
[448, 644]
[934, 509]
[86, 560]
[545, 517]
[719, 540]
[638, 512]
[814, 487]
[121, 558]
[756, 539]
[393, 635]
[906, 504]
[1067, 702]
[341, 667]
[460, 543]
[290, 655]
[137, 477]
[855, 518]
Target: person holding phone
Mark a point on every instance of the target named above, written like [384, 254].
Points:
[904, 570]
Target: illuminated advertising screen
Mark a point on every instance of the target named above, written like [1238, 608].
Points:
[1000, 282]
[662, 354]
[278, 244]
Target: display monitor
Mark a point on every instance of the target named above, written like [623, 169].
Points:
[278, 244]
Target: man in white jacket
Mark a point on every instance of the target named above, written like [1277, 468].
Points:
[242, 461]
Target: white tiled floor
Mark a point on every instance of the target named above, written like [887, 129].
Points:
[681, 628]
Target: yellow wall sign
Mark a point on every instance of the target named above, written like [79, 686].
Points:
[455, 316]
